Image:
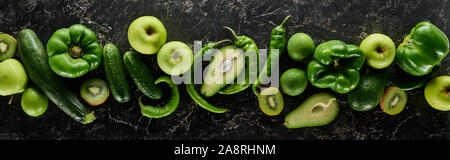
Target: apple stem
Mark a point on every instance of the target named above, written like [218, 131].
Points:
[232, 32]
[336, 63]
[381, 50]
[11, 99]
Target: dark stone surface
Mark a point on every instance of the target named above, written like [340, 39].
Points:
[349, 21]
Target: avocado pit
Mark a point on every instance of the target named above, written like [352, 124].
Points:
[318, 109]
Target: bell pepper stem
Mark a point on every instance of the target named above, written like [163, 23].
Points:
[75, 52]
[336, 63]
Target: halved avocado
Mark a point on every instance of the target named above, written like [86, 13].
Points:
[271, 101]
[8, 46]
[94, 91]
[393, 101]
[225, 66]
[319, 109]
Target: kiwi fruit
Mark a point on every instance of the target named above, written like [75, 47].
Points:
[393, 100]
[8, 46]
[271, 101]
[94, 91]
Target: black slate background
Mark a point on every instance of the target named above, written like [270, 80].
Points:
[349, 21]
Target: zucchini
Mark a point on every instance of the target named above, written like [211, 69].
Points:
[141, 75]
[115, 73]
[35, 60]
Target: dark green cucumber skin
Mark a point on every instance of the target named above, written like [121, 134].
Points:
[368, 93]
[115, 74]
[35, 60]
[141, 75]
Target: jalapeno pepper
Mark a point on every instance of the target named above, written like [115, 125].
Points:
[251, 65]
[167, 109]
[277, 47]
[74, 51]
[207, 50]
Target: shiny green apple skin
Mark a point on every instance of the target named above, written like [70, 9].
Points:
[147, 34]
[437, 93]
[379, 50]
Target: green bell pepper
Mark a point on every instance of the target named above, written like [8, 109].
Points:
[424, 48]
[74, 51]
[336, 66]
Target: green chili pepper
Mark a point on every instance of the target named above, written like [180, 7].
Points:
[207, 50]
[411, 85]
[74, 51]
[249, 47]
[277, 44]
[158, 112]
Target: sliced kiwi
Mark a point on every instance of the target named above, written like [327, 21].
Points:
[8, 46]
[393, 100]
[94, 91]
[271, 101]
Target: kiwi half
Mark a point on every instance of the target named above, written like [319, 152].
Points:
[271, 101]
[94, 91]
[393, 100]
[8, 46]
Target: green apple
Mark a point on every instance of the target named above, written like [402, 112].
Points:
[147, 34]
[437, 93]
[379, 50]
[175, 58]
[13, 78]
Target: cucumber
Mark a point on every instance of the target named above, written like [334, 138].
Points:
[141, 75]
[35, 60]
[369, 91]
[115, 74]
